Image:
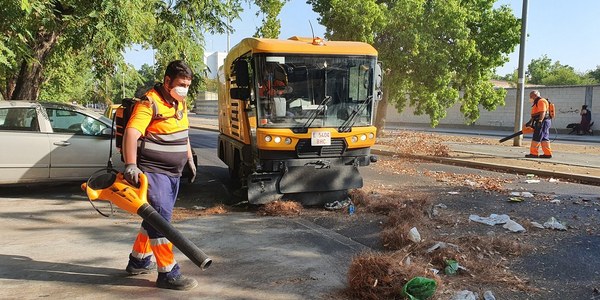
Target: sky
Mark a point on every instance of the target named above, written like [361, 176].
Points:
[567, 31]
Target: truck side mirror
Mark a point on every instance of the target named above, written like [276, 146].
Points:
[378, 80]
[242, 77]
[378, 76]
[239, 93]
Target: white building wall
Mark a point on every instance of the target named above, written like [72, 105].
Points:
[567, 100]
[213, 61]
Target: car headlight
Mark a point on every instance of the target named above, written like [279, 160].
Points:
[363, 137]
[277, 139]
[354, 139]
[371, 135]
[268, 138]
[288, 140]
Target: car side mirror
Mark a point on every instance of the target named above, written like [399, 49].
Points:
[108, 132]
[239, 93]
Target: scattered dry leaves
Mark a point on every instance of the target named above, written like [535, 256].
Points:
[281, 208]
[382, 275]
[470, 180]
[181, 213]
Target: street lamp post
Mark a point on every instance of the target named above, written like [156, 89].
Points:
[123, 83]
[521, 80]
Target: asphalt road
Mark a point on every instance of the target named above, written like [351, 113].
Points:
[55, 246]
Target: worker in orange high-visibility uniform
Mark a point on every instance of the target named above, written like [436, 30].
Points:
[156, 143]
[541, 122]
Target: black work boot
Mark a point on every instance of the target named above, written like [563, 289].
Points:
[132, 270]
[137, 266]
[178, 282]
[531, 156]
[546, 156]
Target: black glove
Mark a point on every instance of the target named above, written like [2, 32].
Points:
[192, 166]
[132, 174]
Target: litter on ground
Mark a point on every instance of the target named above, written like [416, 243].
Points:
[522, 194]
[492, 220]
[514, 226]
[336, 205]
[553, 223]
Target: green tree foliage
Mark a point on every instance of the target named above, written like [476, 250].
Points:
[538, 69]
[148, 77]
[271, 26]
[437, 53]
[545, 72]
[39, 34]
[595, 74]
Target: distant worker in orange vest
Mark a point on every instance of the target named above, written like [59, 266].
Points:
[156, 142]
[541, 122]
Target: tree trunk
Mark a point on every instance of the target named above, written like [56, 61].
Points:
[382, 113]
[27, 86]
[9, 88]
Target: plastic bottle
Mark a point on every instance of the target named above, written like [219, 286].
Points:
[351, 208]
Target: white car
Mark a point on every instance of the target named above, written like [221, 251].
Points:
[44, 142]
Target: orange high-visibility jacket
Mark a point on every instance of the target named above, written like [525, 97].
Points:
[539, 108]
[164, 127]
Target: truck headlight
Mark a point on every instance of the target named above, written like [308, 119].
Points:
[277, 140]
[268, 138]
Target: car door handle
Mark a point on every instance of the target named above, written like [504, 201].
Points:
[62, 143]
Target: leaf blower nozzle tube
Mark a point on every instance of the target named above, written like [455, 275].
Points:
[150, 215]
[109, 185]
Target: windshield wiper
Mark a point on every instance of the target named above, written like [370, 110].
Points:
[345, 127]
[314, 115]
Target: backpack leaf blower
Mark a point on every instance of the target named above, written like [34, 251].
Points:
[110, 185]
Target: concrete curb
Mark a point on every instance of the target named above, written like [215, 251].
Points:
[593, 180]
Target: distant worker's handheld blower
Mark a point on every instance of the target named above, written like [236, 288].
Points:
[528, 128]
[110, 185]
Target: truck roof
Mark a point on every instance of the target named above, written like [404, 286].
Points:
[299, 45]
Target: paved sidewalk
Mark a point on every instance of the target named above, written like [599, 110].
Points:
[574, 157]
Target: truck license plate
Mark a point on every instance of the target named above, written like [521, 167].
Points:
[320, 138]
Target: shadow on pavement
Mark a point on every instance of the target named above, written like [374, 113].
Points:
[24, 268]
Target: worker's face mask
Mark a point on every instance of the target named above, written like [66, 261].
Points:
[179, 92]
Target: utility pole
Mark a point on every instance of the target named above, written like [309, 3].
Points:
[521, 80]
[123, 84]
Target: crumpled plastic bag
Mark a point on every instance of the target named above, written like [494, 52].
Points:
[414, 235]
[553, 223]
[514, 226]
[464, 295]
[419, 288]
[492, 220]
[451, 267]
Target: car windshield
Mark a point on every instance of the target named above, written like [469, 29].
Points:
[314, 91]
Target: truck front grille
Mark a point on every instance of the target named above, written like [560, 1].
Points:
[304, 149]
